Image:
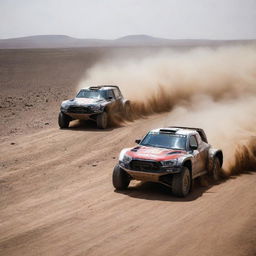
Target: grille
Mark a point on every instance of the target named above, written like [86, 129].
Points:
[80, 110]
[145, 166]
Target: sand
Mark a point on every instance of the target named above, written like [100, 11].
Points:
[57, 196]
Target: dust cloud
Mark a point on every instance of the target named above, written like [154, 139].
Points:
[214, 89]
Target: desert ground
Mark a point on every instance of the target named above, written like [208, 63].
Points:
[56, 191]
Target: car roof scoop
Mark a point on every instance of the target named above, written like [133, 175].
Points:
[135, 149]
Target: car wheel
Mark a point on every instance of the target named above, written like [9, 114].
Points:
[120, 178]
[63, 120]
[216, 169]
[181, 183]
[127, 111]
[102, 120]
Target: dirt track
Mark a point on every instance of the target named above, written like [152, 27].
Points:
[56, 195]
[57, 199]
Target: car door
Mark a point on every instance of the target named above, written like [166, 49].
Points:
[118, 99]
[200, 154]
[193, 146]
[203, 148]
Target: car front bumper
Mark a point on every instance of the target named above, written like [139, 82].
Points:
[149, 175]
[80, 113]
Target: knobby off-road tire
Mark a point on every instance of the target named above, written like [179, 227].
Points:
[215, 173]
[120, 178]
[102, 120]
[63, 120]
[181, 183]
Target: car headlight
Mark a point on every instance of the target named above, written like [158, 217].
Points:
[127, 159]
[170, 163]
[64, 104]
[124, 158]
[94, 107]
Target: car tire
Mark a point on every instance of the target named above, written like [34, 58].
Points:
[215, 173]
[63, 120]
[120, 178]
[102, 120]
[127, 111]
[181, 183]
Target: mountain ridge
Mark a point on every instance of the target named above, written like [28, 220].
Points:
[64, 41]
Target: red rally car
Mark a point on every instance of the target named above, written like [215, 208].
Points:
[173, 156]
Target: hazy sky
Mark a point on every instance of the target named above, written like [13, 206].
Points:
[214, 19]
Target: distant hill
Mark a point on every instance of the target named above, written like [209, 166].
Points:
[62, 41]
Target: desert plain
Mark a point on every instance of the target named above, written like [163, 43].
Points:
[56, 193]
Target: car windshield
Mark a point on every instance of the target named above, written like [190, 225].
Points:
[164, 140]
[95, 94]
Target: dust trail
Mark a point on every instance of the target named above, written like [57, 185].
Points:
[245, 158]
[212, 89]
[229, 124]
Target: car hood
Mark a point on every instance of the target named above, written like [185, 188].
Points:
[153, 153]
[83, 101]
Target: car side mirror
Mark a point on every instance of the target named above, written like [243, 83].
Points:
[110, 98]
[137, 141]
[194, 147]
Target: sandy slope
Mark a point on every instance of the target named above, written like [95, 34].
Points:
[57, 199]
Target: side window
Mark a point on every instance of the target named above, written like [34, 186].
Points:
[193, 141]
[116, 92]
[111, 94]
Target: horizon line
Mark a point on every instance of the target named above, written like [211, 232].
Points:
[129, 35]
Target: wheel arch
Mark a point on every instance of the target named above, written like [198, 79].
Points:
[219, 155]
[188, 163]
[106, 108]
[216, 153]
[126, 101]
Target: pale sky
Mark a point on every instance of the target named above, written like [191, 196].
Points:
[110, 19]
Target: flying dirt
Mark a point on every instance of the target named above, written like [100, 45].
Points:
[210, 88]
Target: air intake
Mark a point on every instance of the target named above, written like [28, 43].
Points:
[172, 130]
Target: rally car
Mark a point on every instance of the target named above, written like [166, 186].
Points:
[95, 103]
[173, 156]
